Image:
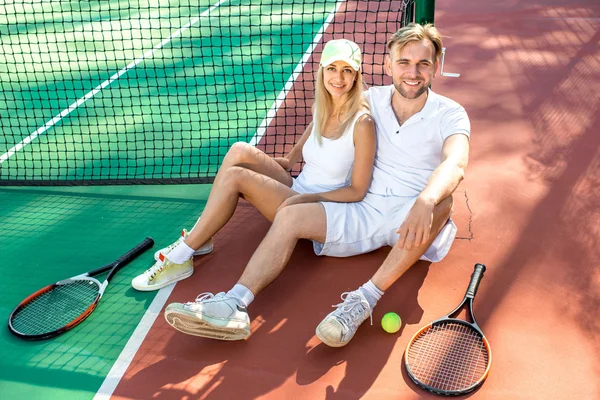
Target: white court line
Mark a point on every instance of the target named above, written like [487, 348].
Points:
[103, 85]
[126, 357]
[133, 344]
[290, 82]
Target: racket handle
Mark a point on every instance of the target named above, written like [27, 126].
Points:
[130, 255]
[475, 279]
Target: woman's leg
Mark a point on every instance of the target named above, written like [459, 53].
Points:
[245, 155]
[225, 192]
[264, 192]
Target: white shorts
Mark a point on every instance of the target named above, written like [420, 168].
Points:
[357, 228]
[297, 187]
[303, 187]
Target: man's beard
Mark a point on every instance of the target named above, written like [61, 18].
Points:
[408, 95]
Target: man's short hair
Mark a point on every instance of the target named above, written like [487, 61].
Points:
[415, 33]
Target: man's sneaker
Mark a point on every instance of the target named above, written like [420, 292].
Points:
[340, 325]
[162, 273]
[204, 249]
[211, 316]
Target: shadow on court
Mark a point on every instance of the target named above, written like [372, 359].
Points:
[283, 345]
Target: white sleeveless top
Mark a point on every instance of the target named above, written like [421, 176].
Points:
[328, 166]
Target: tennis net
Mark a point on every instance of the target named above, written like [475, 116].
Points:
[156, 91]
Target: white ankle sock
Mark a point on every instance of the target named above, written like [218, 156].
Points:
[181, 253]
[242, 293]
[371, 292]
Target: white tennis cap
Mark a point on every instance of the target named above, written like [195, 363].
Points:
[341, 50]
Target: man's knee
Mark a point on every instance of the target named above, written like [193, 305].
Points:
[302, 221]
[288, 219]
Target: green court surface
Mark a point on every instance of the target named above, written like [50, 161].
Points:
[52, 233]
[205, 77]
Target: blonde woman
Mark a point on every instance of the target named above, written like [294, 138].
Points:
[338, 148]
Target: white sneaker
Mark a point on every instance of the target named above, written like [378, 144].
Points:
[211, 316]
[204, 249]
[338, 328]
[162, 273]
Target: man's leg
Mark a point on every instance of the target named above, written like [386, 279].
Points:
[300, 221]
[400, 260]
[338, 328]
[224, 316]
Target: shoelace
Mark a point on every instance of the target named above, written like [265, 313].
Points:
[204, 296]
[173, 245]
[207, 296]
[156, 268]
[352, 308]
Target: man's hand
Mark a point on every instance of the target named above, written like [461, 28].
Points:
[296, 199]
[416, 228]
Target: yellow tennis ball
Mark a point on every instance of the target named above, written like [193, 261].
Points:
[391, 322]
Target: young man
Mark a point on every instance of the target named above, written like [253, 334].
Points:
[422, 153]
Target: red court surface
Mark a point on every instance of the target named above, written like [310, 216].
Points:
[528, 209]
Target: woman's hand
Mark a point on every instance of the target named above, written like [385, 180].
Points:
[284, 162]
[297, 199]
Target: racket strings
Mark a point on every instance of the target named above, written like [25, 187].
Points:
[56, 308]
[448, 357]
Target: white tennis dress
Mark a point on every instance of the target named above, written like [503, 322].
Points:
[328, 166]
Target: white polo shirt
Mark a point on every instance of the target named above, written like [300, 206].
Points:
[407, 155]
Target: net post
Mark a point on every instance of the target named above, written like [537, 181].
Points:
[425, 11]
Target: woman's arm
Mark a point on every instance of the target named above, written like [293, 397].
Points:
[365, 144]
[295, 154]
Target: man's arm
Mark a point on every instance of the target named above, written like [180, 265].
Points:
[446, 177]
[444, 180]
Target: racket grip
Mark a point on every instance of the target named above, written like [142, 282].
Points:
[136, 251]
[475, 279]
[130, 255]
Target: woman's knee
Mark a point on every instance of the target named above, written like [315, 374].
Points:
[240, 152]
[234, 175]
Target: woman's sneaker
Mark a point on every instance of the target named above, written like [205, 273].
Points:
[211, 316]
[204, 249]
[162, 273]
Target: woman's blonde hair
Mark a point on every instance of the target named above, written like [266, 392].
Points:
[415, 33]
[323, 105]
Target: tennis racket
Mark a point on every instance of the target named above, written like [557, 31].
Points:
[63, 305]
[451, 356]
